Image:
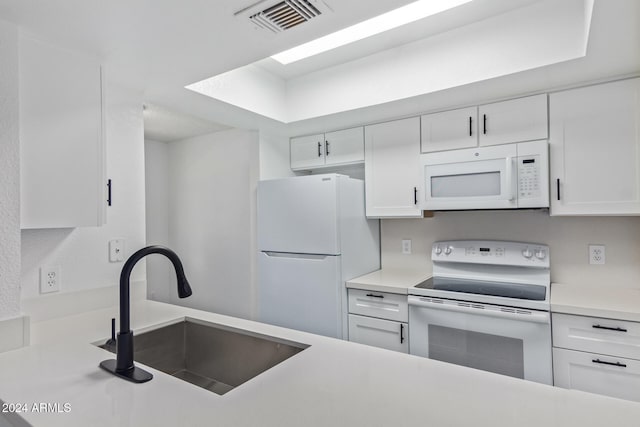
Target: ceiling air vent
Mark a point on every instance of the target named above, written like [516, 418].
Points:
[285, 14]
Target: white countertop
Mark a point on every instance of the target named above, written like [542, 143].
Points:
[396, 281]
[332, 383]
[609, 302]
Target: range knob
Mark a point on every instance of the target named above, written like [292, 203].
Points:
[448, 250]
[438, 250]
[527, 253]
[541, 254]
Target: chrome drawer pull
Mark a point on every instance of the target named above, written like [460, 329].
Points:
[602, 362]
[375, 296]
[609, 328]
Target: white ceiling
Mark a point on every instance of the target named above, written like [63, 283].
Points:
[460, 16]
[164, 125]
[159, 46]
[151, 44]
[474, 42]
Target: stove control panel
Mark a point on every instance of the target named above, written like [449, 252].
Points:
[493, 252]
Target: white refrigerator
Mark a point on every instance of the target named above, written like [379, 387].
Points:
[312, 237]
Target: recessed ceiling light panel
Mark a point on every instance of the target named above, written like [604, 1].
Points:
[381, 23]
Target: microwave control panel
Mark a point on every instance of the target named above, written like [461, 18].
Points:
[529, 177]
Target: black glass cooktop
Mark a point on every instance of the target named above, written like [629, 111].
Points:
[479, 287]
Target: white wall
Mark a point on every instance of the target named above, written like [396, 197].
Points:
[159, 271]
[211, 216]
[82, 253]
[9, 174]
[567, 238]
[274, 156]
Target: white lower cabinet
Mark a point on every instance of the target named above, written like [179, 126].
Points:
[597, 373]
[379, 319]
[379, 333]
[597, 355]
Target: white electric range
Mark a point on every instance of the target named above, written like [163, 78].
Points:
[486, 307]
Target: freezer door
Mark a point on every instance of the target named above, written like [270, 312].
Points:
[299, 215]
[301, 292]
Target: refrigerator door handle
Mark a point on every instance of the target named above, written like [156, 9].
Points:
[293, 255]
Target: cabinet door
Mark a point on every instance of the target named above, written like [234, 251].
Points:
[449, 130]
[391, 168]
[595, 373]
[62, 158]
[344, 146]
[307, 151]
[379, 333]
[595, 150]
[516, 120]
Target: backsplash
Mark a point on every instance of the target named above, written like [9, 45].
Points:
[568, 239]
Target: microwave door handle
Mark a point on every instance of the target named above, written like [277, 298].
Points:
[509, 177]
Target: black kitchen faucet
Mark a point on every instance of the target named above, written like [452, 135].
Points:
[123, 366]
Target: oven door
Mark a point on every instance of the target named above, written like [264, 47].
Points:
[478, 178]
[504, 340]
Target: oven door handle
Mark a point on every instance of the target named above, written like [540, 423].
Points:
[523, 315]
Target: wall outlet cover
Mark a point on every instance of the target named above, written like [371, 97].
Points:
[597, 254]
[406, 246]
[50, 279]
[116, 250]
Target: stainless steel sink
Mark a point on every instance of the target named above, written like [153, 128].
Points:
[214, 357]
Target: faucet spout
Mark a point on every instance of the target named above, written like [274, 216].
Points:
[123, 366]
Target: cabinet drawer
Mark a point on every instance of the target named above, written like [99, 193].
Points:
[379, 304]
[379, 333]
[597, 373]
[597, 335]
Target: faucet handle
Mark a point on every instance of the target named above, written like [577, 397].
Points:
[110, 345]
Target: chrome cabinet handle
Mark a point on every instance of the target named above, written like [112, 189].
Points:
[602, 362]
[609, 328]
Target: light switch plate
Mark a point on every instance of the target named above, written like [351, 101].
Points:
[116, 250]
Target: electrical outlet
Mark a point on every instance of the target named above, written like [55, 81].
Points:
[406, 246]
[50, 279]
[596, 254]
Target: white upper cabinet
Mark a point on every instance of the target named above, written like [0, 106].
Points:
[515, 120]
[342, 147]
[391, 167]
[62, 159]
[449, 130]
[595, 150]
[307, 151]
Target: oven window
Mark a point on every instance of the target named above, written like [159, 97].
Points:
[466, 185]
[493, 353]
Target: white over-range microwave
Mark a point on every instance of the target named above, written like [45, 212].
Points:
[508, 176]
